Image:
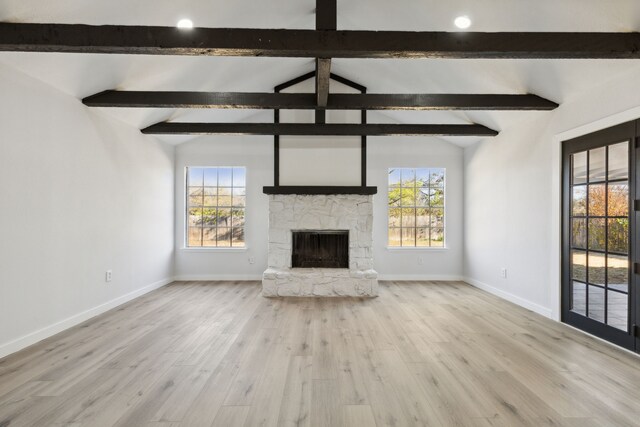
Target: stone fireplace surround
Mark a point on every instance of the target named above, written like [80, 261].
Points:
[353, 212]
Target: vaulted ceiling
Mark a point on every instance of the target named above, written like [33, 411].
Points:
[82, 75]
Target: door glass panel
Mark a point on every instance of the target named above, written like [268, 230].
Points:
[580, 168]
[618, 310]
[618, 272]
[597, 238]
[579, 201]
[579, 233]
[619, 161]
[618, 235]
[597, 200]
[596, 268]
[579, 298]
[618, 199]
[596, 303]
[579, 265]
[597, 170]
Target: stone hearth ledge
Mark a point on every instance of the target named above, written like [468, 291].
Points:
[319, 282]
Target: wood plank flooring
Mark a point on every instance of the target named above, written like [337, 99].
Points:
[218, 354]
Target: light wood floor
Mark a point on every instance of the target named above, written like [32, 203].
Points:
[200, 354]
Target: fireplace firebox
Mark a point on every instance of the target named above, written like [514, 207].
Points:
[320, 249]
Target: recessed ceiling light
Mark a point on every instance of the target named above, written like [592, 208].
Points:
[185, 23]
[462, 22]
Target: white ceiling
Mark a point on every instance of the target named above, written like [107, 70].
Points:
[81, 75]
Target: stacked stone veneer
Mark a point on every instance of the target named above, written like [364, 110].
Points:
[320, 212]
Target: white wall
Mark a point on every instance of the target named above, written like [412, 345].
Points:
[256, 153]
[80, 193]
[512, 191]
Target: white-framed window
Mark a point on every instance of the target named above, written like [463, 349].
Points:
[216, 203]
[416, 207]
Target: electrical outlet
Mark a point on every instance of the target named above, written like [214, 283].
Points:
[420, 260]
[252, 260]
[503, 273]
[107, 276]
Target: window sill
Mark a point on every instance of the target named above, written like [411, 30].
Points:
[214, 249]
[416, 248]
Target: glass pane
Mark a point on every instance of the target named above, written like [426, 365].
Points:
[596, 303]
[580, 168]
[224, 197]
[194, 216]
[408, 196]
[209, 217]
[596, 164]
[239, 177]
[210, 177]
[618, 199]
[224, 177]
[579, 201]
[195, 236]
[394, 177]
[408, 177]
[579, 233]
[437, 197]
[195, 191]
[238, 200]
[224, 218]
[194, 176]
[618, 235]
[237, 236]
[618, 310]
[596, 268]
[422, 197]
[422, 177]
[618, 272]
[394, 237]
[237, 218]
[597, 200]
[394, 196]
[437, 217]
[422, 236]
[619, 161]
[422, 217]
[597, 236]
[210, 191]
[195, 200]
[579, 298]
[437, 237]
[394, 217]
[209, 236]
[408, 237]
[224, 236]
[437, 177]
[210, 200]
[408, 217]
[579, 265]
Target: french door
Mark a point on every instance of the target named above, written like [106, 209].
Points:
[599, 234]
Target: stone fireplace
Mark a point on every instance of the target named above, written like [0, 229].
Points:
[322, 217]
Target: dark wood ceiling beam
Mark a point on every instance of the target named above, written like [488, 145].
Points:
[307, 101]
[313, 43]
[323, 71]
[314, 129]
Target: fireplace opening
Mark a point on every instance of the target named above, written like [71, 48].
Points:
[320, 249]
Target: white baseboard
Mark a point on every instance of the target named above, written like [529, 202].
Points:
[218, 277]
[39, 335]
[546, 312]
[426, 277]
